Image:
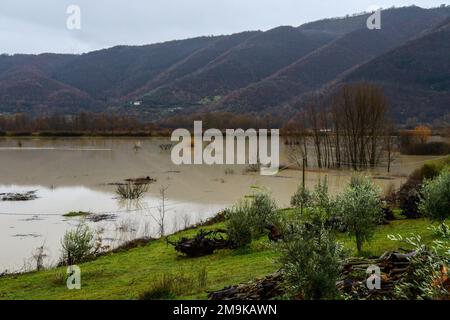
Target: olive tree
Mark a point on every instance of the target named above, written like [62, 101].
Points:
[435, 201]
[359, 208]
[311, 261]
[248, 219]
[263, 209]
[78, 245]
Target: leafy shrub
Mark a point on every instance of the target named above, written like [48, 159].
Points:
[359, 208]
[78, 245]
[426, 274]
[311, 260]
[250, 218]
[435, 201]
[263, 209]
[409, 194]
[302, 198]
[441, 231]
[430, 169]
[239, 224]
[321, 198]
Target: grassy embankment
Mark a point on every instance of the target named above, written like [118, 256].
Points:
[128, 274]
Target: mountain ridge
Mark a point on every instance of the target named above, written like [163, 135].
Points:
[247, 72]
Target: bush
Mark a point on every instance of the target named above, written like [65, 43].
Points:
[359, 208]
[426, 274]
[78, 245]
[409, 194]
[311, 260]
[239, 224]
[263, 209]
[250, 218]
[435, 201]
[321, 198]
[302, 198]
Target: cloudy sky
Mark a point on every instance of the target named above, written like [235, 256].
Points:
[35, 26]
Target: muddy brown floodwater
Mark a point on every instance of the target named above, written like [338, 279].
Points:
[75, 174]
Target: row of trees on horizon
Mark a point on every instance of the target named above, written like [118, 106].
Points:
[346, 128]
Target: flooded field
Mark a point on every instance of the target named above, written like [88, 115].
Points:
[78, 174]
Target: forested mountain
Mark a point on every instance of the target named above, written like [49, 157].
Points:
[324, 65]
[415, 77]
[255, 71]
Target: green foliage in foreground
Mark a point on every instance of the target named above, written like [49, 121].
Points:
[435, 201]
[77, 245]
[312, 261]
[249, 218]
[359, 207]
[134, 273]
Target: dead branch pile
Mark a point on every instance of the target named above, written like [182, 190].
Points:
[202, 244]
[260, 289]
[393, 267]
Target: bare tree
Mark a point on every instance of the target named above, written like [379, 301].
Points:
[39, 256]
[390, 145]
[160, 219]
[360, 116]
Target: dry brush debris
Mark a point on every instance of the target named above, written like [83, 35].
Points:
[202, 244]
[394, 266]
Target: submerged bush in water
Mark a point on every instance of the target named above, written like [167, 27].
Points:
[131, 190]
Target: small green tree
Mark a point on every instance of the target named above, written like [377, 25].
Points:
[249, 218]
[359, 208]
[239, 224]
[263, 209]
[311, 260]
[77, 245]
[302, 198]
[321, 198]
[435, 201]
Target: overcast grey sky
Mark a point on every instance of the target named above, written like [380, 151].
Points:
[35, 26]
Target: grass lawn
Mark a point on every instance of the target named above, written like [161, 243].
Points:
[126, 275]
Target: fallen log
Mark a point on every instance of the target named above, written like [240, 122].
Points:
[202, 244]
[261, 289]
